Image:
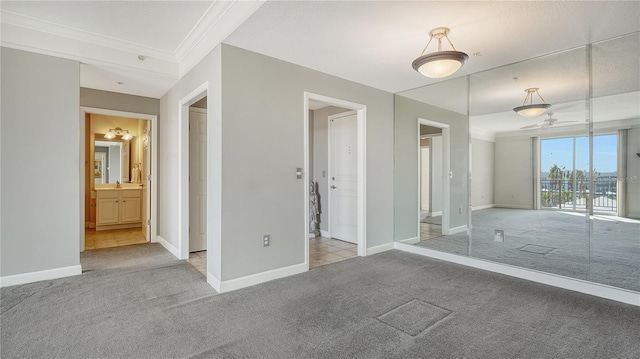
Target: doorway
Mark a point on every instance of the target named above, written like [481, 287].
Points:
[433, 179]
[119, 170]
[334, 171]
[198, 185]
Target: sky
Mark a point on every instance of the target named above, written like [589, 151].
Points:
[559, 151]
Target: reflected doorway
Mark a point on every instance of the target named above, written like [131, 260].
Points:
[433, 184]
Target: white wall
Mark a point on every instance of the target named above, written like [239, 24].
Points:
[320, 158]
[513, 185]
[482, 173]
[425, 184]
[436, 175]
[40, 221]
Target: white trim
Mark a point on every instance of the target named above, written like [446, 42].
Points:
[361, 114]
[412, 240]
[435, 214]
[478, 134]
[154, 160]
[48, 274]
[168, 246]
[183, 167]
[458, 229]
[253, 279]
[381, 248]
[595, 289]
[219, 21]
[446, 169]
[213, 282]
[484, 206]
[325, 234]
[513, 206]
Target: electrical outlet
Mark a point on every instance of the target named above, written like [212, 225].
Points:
[498, 235]
[266, 240]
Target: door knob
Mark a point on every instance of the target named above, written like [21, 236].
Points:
[333, 187]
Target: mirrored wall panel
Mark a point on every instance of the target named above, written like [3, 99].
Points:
[615, 230]
[538, 160]
[432, 166]
[536, 215]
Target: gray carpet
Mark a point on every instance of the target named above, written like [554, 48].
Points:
[388, 305]
[609, 255]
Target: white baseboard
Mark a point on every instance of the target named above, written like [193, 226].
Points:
[380, 248]
[577, 285]
[238, 283]
[513, 206]
[484, 206]
[412, 240]
[168, 246]
[40, 275]
[456, 230]
[435, 214]
[325, 234]
[213, 281]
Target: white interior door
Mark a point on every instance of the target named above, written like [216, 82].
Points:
[197, 180]
[145, 175]
[343, 177]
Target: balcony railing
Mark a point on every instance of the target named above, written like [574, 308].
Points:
[562, 195]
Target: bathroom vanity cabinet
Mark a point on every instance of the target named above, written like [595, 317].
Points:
[118, 208]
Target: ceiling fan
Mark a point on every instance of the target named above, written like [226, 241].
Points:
[547, 123]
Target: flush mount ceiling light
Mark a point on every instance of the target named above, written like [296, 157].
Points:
[532, 110]
[440, 63]
[126, 135]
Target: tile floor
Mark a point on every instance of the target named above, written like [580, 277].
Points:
[430, 231]
[324, 250]
[199, 261]
[115, 238]
[321, 251]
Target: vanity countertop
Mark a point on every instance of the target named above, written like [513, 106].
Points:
[128, 188]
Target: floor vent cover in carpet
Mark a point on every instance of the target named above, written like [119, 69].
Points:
[414, 317]
[534, 248]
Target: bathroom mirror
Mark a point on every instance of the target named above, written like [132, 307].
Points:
[112, 160]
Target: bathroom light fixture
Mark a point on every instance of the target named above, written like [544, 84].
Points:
[126, 135]
[532, 110]
[440, 63]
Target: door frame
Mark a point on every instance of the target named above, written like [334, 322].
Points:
[214, 181]
[446, 173]
[361, 120]
[84, 110]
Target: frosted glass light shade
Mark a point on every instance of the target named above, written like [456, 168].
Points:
[440, 64]
[110, 135]
[534, 110]
[127, 136]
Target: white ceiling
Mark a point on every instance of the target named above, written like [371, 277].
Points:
[107, 37]
[370, 42]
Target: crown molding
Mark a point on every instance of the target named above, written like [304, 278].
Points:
[46, 27]
[220, 20]
[35, 35]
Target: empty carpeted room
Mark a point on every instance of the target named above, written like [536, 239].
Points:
[470, 170]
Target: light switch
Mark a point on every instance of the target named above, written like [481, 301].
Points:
[299, 173]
